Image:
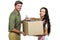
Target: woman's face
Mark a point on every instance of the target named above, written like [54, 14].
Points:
[42, 12]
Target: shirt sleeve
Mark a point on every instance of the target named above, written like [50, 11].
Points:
[11, 22]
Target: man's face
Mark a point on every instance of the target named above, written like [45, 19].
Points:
[18, 7]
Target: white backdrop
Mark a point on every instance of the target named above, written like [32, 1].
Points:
[30, 8]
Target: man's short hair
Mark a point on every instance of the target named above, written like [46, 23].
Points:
[18, 2]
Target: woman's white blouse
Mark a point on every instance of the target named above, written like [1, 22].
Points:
[46, 25]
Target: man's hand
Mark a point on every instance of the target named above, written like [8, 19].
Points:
[17, 31]
[23, 33]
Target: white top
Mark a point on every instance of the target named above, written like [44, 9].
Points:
[46, 25]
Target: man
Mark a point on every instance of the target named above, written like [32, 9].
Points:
[15, 22]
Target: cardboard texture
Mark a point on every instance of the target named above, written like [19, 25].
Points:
[33, 27]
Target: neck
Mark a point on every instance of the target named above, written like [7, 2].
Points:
[16, 10]
[42, 17]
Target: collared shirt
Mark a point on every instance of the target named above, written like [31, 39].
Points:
[14, 21]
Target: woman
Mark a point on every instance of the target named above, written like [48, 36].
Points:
[46, 22]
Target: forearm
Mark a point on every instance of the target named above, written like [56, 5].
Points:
[15, 30]
[46, 30]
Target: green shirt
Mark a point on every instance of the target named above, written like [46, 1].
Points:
[14, 21]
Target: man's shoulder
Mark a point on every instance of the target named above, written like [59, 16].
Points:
[12, 13]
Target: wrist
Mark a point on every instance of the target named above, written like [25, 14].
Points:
[21, 32]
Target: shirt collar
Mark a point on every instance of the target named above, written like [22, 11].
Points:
[16, 12]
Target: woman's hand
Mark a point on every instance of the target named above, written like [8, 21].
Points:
[46, 31]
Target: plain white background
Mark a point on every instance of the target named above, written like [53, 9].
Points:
[31, 9]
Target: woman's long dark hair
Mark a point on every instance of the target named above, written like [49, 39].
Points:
[47, 20]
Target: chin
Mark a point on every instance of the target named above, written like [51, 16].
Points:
[18, 10]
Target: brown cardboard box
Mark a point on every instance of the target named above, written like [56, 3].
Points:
[33, 27]
[35, 19]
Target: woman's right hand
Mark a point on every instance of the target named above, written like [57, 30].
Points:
[46, 31]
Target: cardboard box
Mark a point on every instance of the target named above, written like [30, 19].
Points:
[33, 27]
[35, 19]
